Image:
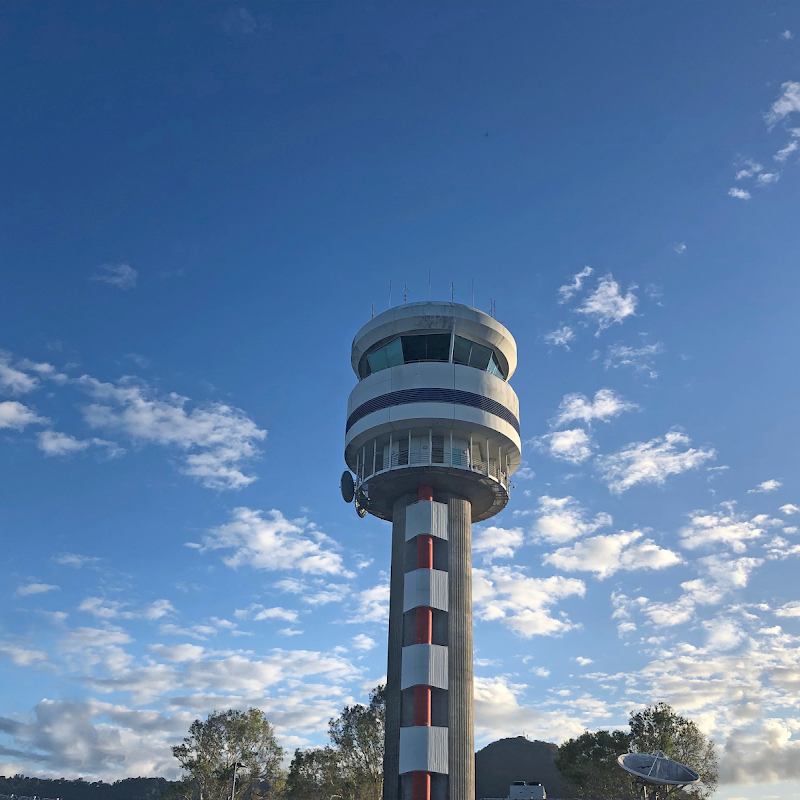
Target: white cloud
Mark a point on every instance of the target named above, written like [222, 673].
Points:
[563, 519]
[74, 560]
[606, 555]
[560, 336]
[13, 380]
[177, 652]
[277, 612]
[569, 289]
[584, 661]
[720, 577]
[114, 609]
[315, 593]
[372, 605]
[522, 603]
[222, 437]
[789, 609]
[272, 542]
[651, 462]
[53, 443]
[740, 194]
[290, 632]
[723, 634]
[766, 178]
[17, 416]
[21, 656]
[785, 152]
[767, 486]
[722, 527]
[749, 169]
[606, 305]
[363, 642]
[573, 445]
[789, 508]
[765, 753]
[577, 407]
[787, 103]
[638, 358]
[35, 588]
[496, 542]
[679, 247]
[123, 276]
[787, 34]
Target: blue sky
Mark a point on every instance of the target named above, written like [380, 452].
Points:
[200, 205]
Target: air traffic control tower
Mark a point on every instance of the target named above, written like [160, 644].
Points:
[432, 437]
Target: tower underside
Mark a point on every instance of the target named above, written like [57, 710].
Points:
[429, 748]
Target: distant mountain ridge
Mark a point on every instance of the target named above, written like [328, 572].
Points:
[518, 759]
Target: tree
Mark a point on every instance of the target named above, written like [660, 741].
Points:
[226, 738]
[589, 762]
[658, 727]
[351, 766]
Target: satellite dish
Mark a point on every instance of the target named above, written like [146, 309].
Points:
[347, 485]
[361, 504]
[658, 769]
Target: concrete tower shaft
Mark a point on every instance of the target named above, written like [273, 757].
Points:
[432, 436]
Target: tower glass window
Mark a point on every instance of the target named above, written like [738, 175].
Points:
[413, 348]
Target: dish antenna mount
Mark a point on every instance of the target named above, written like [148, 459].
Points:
[657, 776]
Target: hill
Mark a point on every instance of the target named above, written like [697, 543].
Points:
[517, 759]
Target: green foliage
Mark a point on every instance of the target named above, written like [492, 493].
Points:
[127, 789]
[658, 727]
[212, 748]
[351, 767]
[589, 762]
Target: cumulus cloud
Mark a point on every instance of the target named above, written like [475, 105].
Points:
[605, 555]
[372, 605]
[651, 462]
[765, 753]
[363, 642]
[783, 154]
[767, 486]
[569, 289]
[14, 380]
[607, 305]
[561, 519]
[522, 603]
[220, 438]
[720, 577]
[272, 542]
[723, 527]
[679, 247]
[789, 508]
[53, 443]
[766, 178]
[787, 103]
[749, 169]
[640, 359]
[576, 407]
[739, 194]
[114, 609]
[17, 416]
[787, 34]
[560, 337]
[74, 560]
[316, 592]
[573, 445]
[789, 609]
[260, 613]
[122, 276]
[494, 542]
[35, 588]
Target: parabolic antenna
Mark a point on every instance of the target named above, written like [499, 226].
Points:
[348, 486]
[658, 769]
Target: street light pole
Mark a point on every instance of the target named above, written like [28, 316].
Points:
[233, 784]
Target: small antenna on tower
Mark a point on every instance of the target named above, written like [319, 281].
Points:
[405, 292]
[429, 286]
[452, 292]
[390, 294]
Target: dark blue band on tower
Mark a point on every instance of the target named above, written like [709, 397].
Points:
[454, 396]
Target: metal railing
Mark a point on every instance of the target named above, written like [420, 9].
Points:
[449, 458]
